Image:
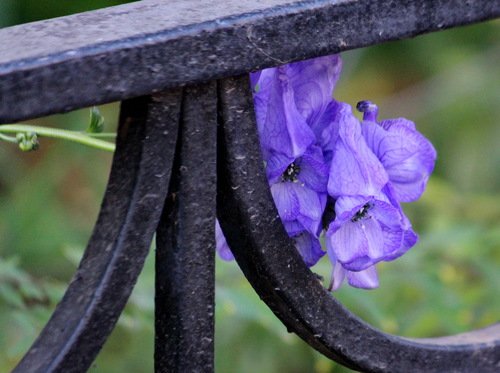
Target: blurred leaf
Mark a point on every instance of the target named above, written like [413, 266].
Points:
[96, 124]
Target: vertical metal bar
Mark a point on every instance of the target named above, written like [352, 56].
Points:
[115, 254]
[184, 313]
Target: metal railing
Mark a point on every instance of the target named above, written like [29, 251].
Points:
[186, 151]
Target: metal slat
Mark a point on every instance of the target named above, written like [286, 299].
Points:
[114, 257]
[185, 249]
[112, 54]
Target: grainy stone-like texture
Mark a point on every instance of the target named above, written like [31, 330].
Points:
[185, 249]
[114, 257]
[112, 54]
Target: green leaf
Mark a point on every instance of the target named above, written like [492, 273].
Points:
[27, 141]
[96, 124]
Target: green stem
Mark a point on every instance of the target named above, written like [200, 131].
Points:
[104, 135]
[79, 137]
[8, 138]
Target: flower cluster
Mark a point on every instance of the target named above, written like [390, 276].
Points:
[332, 175]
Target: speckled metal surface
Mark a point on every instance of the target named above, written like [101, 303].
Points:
[135, 49]
[185, 250]
[115, 254]
[275, 269]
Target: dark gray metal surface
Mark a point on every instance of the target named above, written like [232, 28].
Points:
[135, 49]
[115, 254]
[185, 250]
[275, 269]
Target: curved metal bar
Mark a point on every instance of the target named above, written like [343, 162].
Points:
[185, 244]
[278, 274]
[119, 244]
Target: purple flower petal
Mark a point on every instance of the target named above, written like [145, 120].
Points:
[364, 232]
[313, 82]
[326, 128]
[262, 83]
[276, 165]
[366, 279]
[293, 197]
[221, 243]
[389, 219]
[313, 170]
[311, 221]
[357, 245]
[308, 247]
[281, 127]
[254, 80]
[354, 170]
[407, 155]
[311, 206]
[338, 275]
[310, 203]
[286, 201]
[293, 227]
[410, 238]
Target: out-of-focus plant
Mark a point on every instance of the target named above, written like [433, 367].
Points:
[27, 136]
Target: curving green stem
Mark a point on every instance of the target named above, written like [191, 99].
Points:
[89, 139]
[8, 138]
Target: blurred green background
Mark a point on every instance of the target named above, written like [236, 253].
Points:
[447, 82]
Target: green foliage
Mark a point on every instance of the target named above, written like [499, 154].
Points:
[96, 122]
[27, 135]
[27, 141]
[447, 82]
[20, 11]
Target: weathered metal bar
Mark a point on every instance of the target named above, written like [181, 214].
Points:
[115, 254]
[112, 54]
[185, 250]
[273, 266]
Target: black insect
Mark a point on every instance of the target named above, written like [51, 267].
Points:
[362, 213]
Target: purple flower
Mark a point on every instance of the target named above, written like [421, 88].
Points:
[290, 100]
[354, 169]
[365, 231]
[407, 156]
[282, 129]
[326, 127]
[365, 279]
[410, 238]
[221, 244]
[299, 189]
[313, 82]
[316, 150]
[308, 247]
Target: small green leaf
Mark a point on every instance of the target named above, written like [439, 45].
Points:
[27, 141]
[96, 124]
